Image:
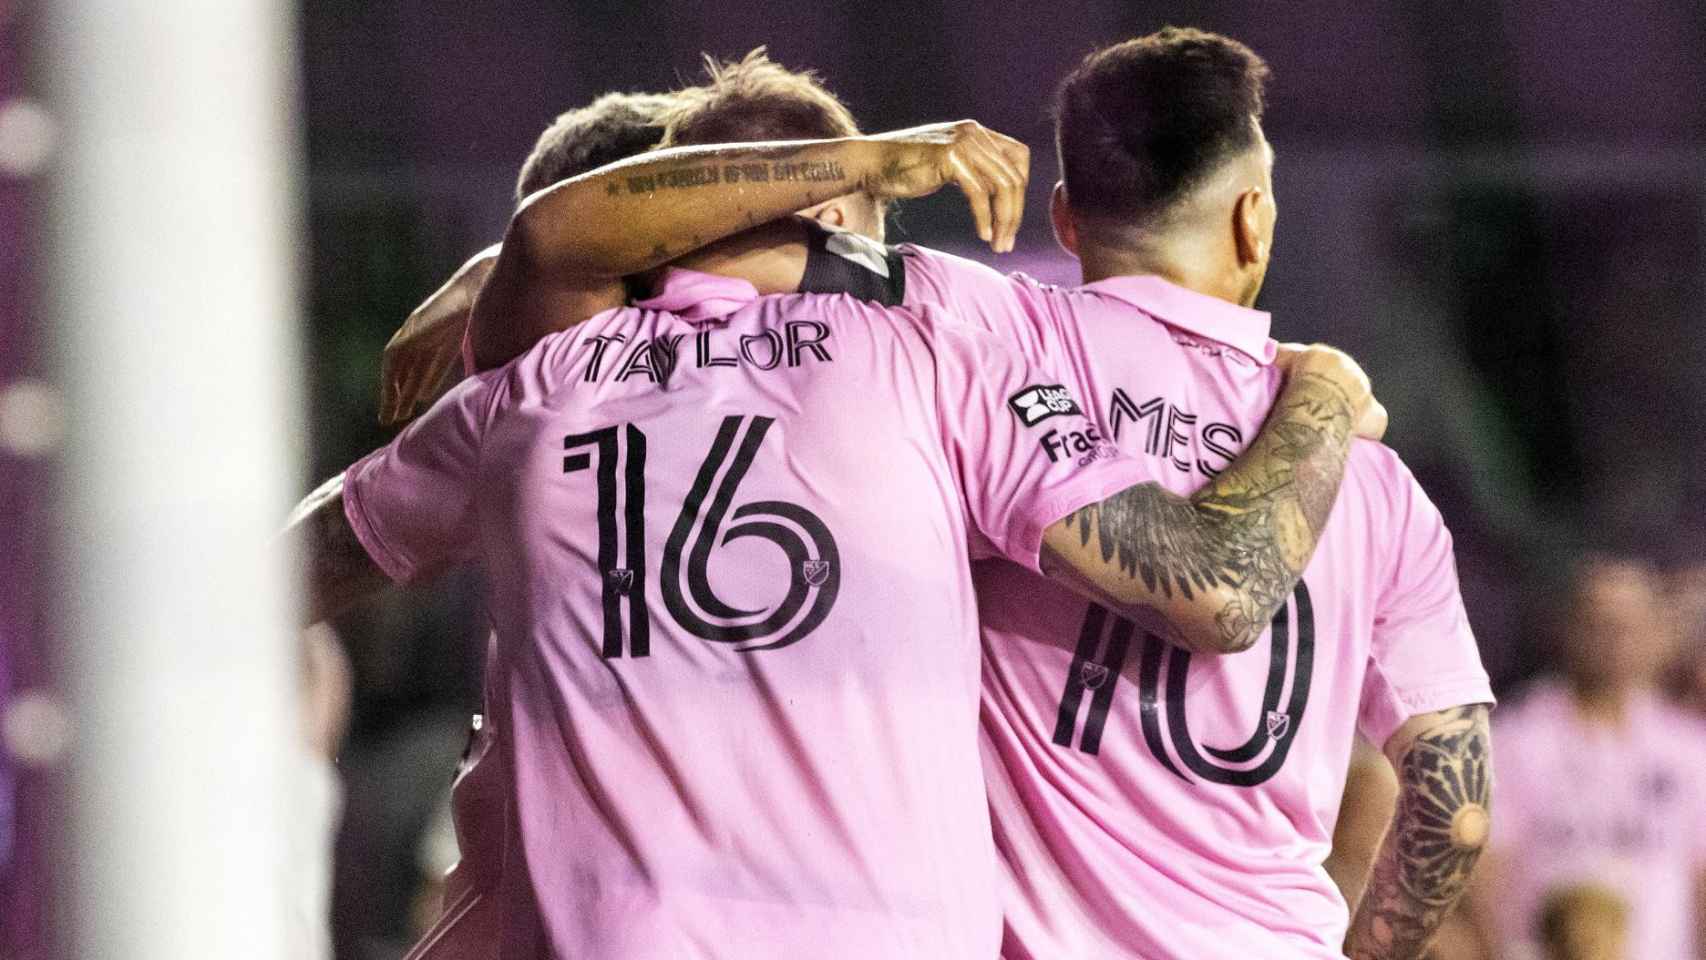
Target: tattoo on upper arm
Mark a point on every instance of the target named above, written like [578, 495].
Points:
[1252, 529]
[1438, 832]
[1158, 537]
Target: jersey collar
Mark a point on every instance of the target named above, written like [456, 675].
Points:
[1215, 319]
[692, 295]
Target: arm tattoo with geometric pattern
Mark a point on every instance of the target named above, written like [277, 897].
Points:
[1253, 528]
[1438, 832]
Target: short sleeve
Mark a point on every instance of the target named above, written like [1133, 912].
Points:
[1013, 308]
[1423, 656]
[411, 503]
[1020, 445]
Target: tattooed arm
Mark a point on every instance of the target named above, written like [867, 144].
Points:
[1208, 572]
[569, 246]
[338, 569]
[1444, 764]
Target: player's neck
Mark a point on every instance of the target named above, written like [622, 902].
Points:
[1192, 265]
[769, 257]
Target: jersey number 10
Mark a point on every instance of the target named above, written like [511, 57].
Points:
[1096, 668]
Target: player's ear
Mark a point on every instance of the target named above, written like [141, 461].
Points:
[830, 213]
[1247, 227]
[1060, 214]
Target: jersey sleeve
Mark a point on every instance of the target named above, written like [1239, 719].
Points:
[1020, 446]
[1013, 308]
[1423, 656]
[412, 502]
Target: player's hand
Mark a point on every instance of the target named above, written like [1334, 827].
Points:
[990, 168]
[427, 349]
[1368, 414]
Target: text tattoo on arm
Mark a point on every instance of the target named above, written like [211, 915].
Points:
[755, 171]
[1440, 827]
[1252, 528]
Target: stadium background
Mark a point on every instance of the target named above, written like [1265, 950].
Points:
[1500, 208]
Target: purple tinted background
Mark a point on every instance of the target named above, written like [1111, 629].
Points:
[24, 494]
[1500, 208]
[1450, 176]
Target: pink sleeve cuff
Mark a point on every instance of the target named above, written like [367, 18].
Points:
[1097, 483]
[393, 566]
[1384, 719]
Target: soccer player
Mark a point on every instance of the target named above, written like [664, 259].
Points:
[425, 350]
[1150, 802]
[1601, 777]
[729, 540]
[428, 347]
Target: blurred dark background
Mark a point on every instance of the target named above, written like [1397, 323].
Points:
[1499, 207]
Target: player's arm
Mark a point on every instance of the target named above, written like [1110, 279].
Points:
[1700, 912]
[337, 570]
[427, 349]
[1208, 571]
[572, 243]
[1371, 788]
[1444, 765]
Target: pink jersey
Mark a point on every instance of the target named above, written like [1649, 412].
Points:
[1622, 807]
[1150, 803]
[736, 681]
[470, 921]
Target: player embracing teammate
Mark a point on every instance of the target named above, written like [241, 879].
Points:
[1152, 793]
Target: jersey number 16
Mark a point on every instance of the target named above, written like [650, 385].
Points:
[814, 565]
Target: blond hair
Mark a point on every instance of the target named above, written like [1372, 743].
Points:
[755, 98]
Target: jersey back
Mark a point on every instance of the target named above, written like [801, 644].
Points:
[1155, 803]
[736, 670]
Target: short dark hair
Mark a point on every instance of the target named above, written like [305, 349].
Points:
[1140, 123]
[613, 127]
[756, 98]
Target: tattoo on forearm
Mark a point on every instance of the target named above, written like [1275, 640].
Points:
[689, 176]
[1440, 827]
[1253, 529]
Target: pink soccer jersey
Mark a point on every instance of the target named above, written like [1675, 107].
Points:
[1148, 802]
[1622, 807]
[736, 681]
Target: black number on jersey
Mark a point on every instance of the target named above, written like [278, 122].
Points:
[627, 581]
[814, 563]
[1104, 642]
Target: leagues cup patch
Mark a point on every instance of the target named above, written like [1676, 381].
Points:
[1035, 404]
